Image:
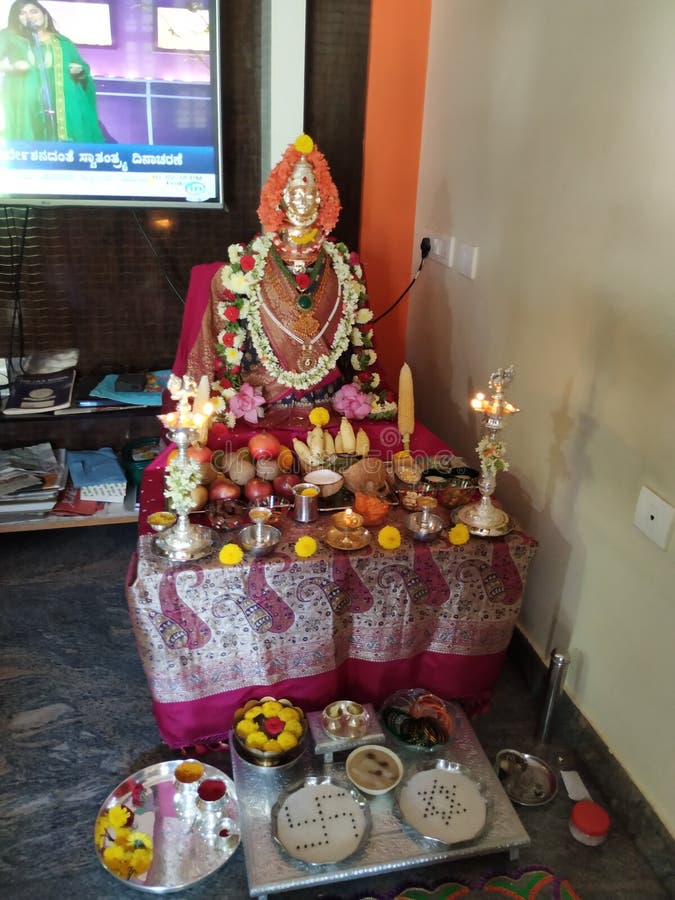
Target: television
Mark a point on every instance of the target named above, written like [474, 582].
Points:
[123, 108]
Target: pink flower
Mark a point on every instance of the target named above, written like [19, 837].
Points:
[354, 259]
[350, 402]
[244, 404]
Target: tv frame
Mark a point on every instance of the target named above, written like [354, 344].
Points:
[197, 168]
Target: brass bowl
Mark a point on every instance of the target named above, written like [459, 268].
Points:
[269, 758]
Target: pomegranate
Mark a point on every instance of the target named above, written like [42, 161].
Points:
[224, 489]
[256, 489]
[264, 446]
[284, 484]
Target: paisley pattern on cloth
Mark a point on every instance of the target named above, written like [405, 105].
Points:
[533, 883]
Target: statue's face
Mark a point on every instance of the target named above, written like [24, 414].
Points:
[302, 203]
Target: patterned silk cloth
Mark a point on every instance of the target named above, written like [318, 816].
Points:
[355, 625]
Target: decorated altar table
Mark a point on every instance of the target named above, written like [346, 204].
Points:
[356, 625]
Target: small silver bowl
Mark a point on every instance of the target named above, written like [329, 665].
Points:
[424, 529]
[259, 540]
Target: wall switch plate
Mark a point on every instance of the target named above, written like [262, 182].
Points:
[442, 250]
[467, 260]
[654, 517]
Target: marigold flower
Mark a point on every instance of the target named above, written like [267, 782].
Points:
[140, 861]
[319, 416]
[117, 860]
[459, 534]
[389, 537]
[231, 554]
[119, 816]
[304, 144]
[305, 546]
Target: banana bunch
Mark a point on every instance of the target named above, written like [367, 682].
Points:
[320, 444]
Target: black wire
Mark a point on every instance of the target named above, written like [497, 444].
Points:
[162, 267]
[425, 253]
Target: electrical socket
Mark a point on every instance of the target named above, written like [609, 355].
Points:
[443, 250]
[654, 517]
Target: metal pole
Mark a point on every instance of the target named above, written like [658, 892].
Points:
[556, 677]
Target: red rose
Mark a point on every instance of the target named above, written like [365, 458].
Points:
[228, 294]
[228, 339]
[364, 376]
[218, 364]
[231, 313]
[225, 382]
[354, 259]
[274, 726]
[236, 370]
[303, 281]
[247, 262]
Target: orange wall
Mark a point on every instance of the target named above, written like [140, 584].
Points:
[399, 39]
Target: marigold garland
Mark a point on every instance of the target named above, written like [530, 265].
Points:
[459, 534]
[230, 554]
[389, 537]
[305, 546]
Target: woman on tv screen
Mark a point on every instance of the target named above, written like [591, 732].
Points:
[48, 92]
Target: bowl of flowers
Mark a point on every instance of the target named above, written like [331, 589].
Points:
[269, 732]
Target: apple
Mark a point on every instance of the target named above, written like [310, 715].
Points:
[264, 446]
[256, 489]
[224, 489]
[284, 484]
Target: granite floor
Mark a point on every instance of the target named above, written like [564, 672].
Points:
[76, 720]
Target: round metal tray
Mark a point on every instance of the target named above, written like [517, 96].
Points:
[431, 797]
[320, 821]
[182, 854]
[526, 779]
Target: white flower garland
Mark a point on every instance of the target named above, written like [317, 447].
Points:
[180, 482]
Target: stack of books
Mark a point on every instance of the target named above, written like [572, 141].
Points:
[31, 479]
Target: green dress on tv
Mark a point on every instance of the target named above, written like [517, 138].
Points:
[46, 102]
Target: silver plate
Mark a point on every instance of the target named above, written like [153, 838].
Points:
[182, 854]
[331, 835]
[526, 779]
[433, 814]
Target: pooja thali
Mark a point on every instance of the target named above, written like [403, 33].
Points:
[321, 821]
[444, 801]
[150, 834]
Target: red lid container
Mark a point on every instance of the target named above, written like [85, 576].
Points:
[589, 823]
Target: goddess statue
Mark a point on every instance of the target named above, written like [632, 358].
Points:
[288, 320]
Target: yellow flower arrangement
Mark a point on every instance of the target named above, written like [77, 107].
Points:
[230, 554]
[389, 538]
[319, 416]
[128, 853]
[305, 546]
[459, 534]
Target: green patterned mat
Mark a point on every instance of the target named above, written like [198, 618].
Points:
[533, 883]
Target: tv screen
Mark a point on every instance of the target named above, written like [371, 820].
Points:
[113, 103]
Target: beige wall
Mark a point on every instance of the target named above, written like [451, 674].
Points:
[549, 142]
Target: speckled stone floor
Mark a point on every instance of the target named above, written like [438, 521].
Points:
[76, 720]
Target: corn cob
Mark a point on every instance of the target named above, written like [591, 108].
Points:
[406, 405]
